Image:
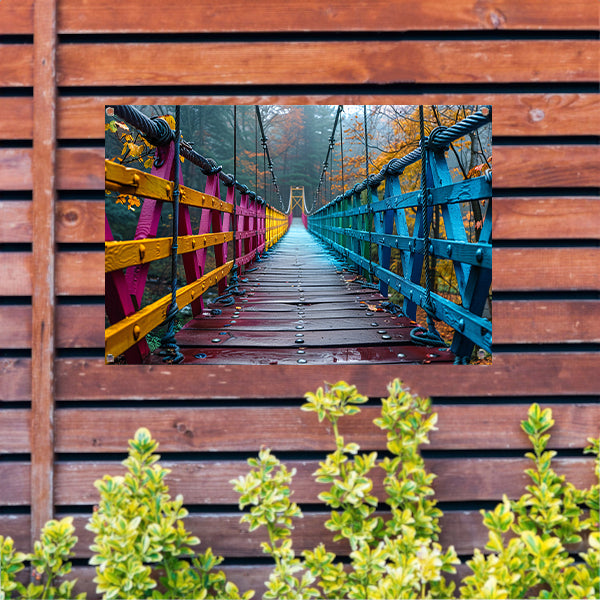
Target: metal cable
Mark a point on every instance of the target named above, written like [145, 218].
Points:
[369, 191]
[420, 335]
[171, 353]
[442, 139]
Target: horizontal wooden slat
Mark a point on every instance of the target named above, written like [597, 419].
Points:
[546, 321]
[76, 221]
[16, 274]
[269, 63]
[208, 482]
[79, 221]
[79, 169]
[16, 68]
[15, 225]
[77, 326]
[541, 269]
[513, 114]
[546, 218]
[80, 274]
[229, 538]
[297, 15]
[562, 166]
[515, 166]
[515, 269]
[481, 427]
[15, 433]
[18, 124]
[522, 374]
[15, 168]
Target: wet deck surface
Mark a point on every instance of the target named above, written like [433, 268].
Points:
[301, 306]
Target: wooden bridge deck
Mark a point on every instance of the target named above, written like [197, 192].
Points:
[301, 306]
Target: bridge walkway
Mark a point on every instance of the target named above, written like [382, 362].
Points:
[301, 305]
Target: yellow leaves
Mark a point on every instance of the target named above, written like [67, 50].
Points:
[129, 200]
[169, 119]
[148, 162]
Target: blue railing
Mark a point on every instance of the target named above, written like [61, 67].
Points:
[358, 219]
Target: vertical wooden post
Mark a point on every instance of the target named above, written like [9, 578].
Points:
[43, 299]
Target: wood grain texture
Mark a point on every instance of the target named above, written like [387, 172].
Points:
[206, 483]
[229, 538]
[289, 429]
[540, 218]
[16, 274]
[15, 225]
[80, 274]
[311, 15]
[80, 169]
[514, 114]
[564, 166]
[18, 122]
[15, 168]
[545, 269]
[529, 374]
[79, 221]
[296, 15]
[268, 63]
[15, 433]
[550, 321]
[43, 275]
[16, 68]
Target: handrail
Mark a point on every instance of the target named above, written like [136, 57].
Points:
[257, 227]
[350, 226]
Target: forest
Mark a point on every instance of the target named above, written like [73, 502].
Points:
[298, 139]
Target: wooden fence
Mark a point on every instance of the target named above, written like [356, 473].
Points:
[65, 416]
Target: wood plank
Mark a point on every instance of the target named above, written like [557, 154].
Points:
[268, 63]
[16, 68]
[15, 434]
[16, 483]
[515, 166]
[229, 538]
[208, 482]
[297, 15]
[43, 273]
[15, 379]
[514, 114]
[17, 17]
[15, 168]
[80, 274]
[481, 427]
[541, 269]
[79, 221]
[517, 374]
[80, 169]
[77, 326]
[18, 111]
[546, 321]
[16, 274]
[546, 218]
[15, 225]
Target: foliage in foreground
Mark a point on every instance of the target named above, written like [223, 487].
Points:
[142, 549]
[400, 557]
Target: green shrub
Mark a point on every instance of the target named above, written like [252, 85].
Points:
[141, 548]
[400, 557]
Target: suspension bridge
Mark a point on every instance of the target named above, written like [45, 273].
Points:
[308, 291]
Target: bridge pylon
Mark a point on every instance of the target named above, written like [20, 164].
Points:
[297, 200]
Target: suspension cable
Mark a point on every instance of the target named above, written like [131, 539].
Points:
[329, 149]
[420, 335]
[342, 150]
[369, 192]
[171, 353]
[266, 149]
